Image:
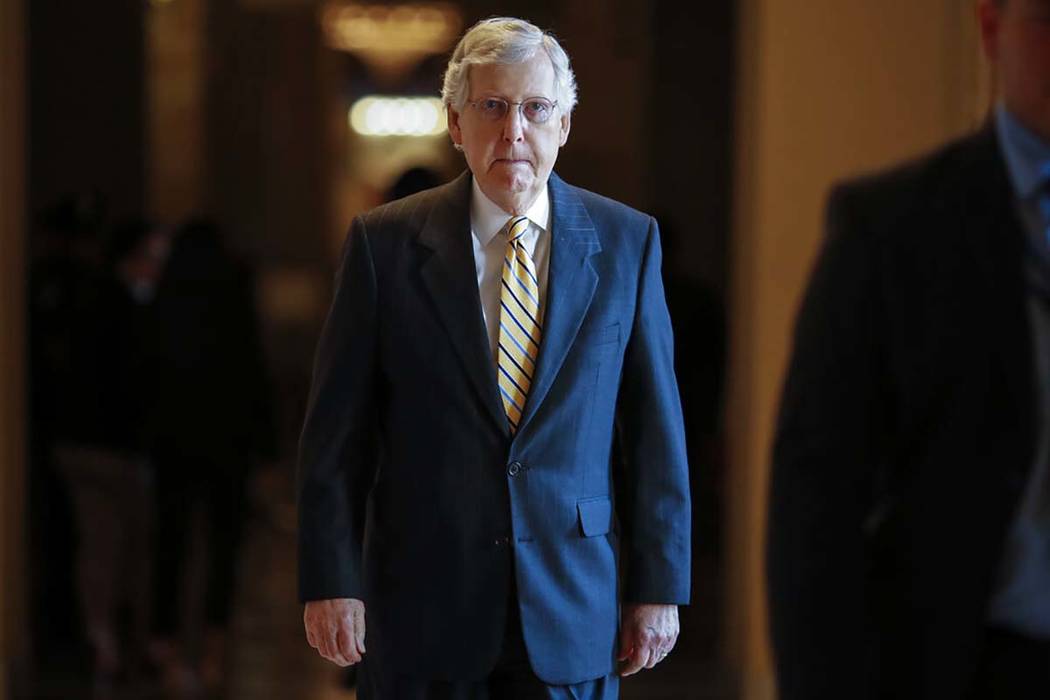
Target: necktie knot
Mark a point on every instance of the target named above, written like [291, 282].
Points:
[517, 227]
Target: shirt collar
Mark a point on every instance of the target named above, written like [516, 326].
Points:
[487, 218]
[1027, 156]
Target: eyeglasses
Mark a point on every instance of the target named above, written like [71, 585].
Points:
[535, 109]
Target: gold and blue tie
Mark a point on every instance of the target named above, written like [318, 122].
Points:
[520, 323]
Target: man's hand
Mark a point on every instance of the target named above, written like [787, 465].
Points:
[647, 635]
[336, 629]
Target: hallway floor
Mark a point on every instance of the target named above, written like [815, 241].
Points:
[270, 660]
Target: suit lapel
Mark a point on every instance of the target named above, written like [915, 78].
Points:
[451, 279]
[571, 282]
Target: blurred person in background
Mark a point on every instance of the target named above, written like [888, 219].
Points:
[909, 533]
[64, 272]
[462, 514]
[210, 424]
[101, 453]
[413, 180]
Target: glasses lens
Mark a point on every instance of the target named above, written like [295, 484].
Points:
[537, 110]
[493, 108]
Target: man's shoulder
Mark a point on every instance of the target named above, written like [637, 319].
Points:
[597, 204]
[924, 184]
[612, 220]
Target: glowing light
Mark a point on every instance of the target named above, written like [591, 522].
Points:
[390, 39]
[417, 28]
[398, 116]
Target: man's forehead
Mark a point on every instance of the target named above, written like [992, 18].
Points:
[535, 76]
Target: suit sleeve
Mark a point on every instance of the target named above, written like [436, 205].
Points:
[653, 489]
[826, 449]
[336, 451]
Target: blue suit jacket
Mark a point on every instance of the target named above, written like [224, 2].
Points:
[414, 496]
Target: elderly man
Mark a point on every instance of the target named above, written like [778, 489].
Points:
[494, 426]
[910, 524]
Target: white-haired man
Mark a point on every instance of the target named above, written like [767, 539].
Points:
[491, 341]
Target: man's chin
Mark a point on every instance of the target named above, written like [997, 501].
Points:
[515, 185]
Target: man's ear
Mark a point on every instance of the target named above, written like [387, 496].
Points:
[563, 129]
[453, 125]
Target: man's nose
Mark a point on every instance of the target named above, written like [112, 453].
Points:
[513, 125]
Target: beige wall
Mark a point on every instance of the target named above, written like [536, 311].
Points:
[826, 89]
[12, 338]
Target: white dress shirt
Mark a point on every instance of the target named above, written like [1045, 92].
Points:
[487, 220]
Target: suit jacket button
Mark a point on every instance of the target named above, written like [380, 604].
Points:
[514, 469]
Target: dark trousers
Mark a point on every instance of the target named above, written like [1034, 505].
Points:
[185, 485]
[511, 679]
[1013, 667]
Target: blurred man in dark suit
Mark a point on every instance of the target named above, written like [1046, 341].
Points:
[910, 519]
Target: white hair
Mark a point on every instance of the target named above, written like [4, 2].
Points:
[506, 40]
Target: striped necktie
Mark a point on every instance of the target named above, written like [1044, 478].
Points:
[520, 323]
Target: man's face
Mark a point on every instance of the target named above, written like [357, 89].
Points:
[511, 158]
[1016, 37]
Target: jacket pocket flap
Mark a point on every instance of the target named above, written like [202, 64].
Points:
[595, 515]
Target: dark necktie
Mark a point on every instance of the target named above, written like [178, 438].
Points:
[1044, 205]
[1039, 245]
